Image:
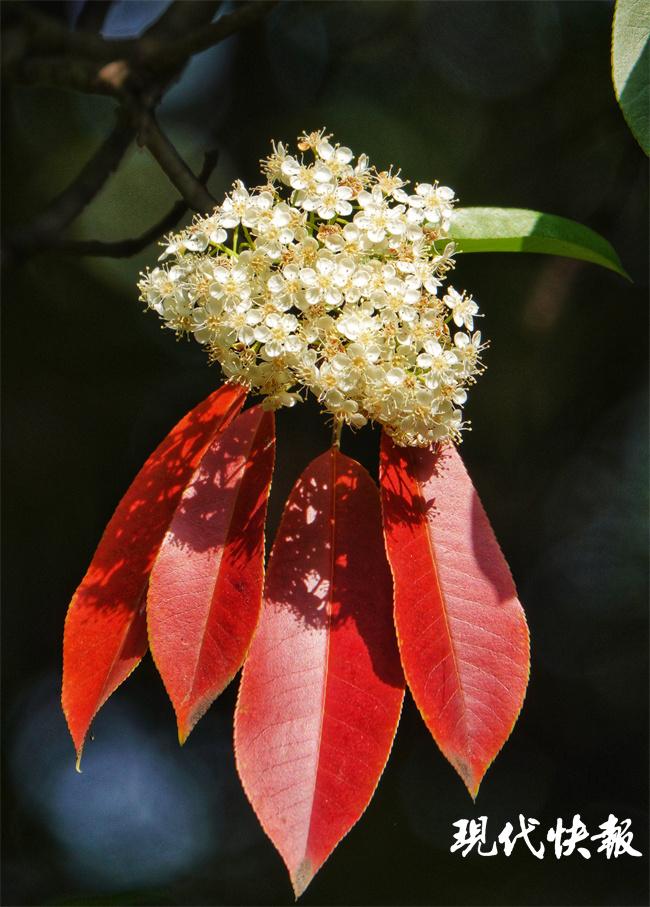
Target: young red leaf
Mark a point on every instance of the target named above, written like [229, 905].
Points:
[105, 629]
[461, 630]
[322, 687]
[205, 589]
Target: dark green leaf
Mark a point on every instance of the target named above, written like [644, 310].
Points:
[518, 230]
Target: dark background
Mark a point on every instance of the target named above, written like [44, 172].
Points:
[511, 104]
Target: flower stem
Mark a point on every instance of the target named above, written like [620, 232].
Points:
[336, 432]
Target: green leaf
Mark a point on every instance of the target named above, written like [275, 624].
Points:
[518, 230]
[631, 66]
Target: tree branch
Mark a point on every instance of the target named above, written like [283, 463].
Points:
[157, 48]
[181, 16]
[73, 73]
[152, 137]
[125, 248]
[71, 202]
[42, 33]
[136, 71]
[160, 56]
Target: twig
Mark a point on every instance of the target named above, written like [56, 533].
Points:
[180, 17]
[137, 71]
[152, 137]
[163, 56]
[72, 73]
[45, 34]
[71, 202]
[125, 248]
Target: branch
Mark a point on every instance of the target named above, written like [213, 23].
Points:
[137, 71]
[125, 248]
[44, 34]
[48, 225]
[168, 54]
[179, 17]
[153, 138]
[63, 72]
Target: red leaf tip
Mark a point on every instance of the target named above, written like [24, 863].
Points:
[471, 779]
[302, 877]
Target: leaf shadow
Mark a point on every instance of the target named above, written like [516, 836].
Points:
[411, 489]
[328, 565]
[224, 506]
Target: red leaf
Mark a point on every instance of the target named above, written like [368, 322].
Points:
[205, 589]
[322, 687]
[105, 629]
[461, 630]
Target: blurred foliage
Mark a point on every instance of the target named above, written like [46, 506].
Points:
[511, 104]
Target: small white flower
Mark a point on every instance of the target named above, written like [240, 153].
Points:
[463, 308]
[334, 200]
[326, 279]
[234, 205]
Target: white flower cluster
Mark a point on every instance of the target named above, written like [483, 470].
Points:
[327, 278]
